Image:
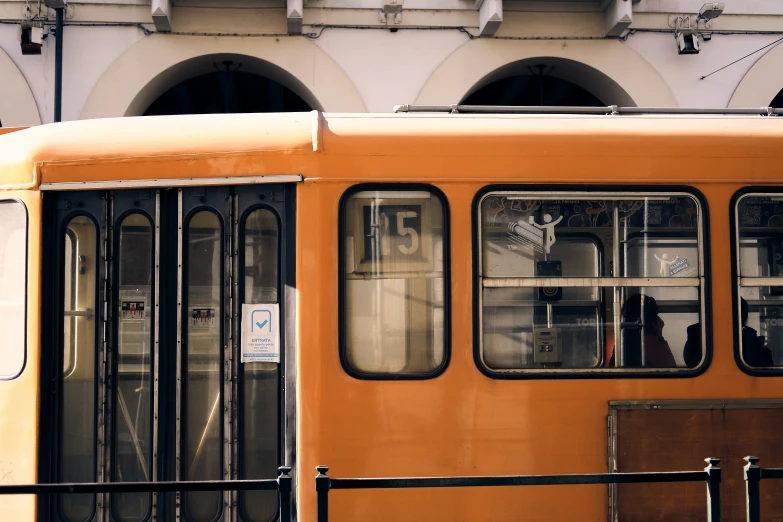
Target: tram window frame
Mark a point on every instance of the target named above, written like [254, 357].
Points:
[435, 192]
[736, 277]
[115, 359]
[26, 230]
[60, 454]
[183, 388]
[592, 192]
[241, 384]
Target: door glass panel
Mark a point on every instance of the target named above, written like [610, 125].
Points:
[78, 387]
[133, 430]
[259, 380]
[202, 363]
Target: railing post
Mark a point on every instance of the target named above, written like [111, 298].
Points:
[284, 487]
[752, 499]
[322, 486]
[713, 489]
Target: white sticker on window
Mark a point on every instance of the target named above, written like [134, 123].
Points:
[261, 333]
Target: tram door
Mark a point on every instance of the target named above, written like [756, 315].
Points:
[156, 375]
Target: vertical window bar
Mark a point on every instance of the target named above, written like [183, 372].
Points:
[178, 393]
[156, 347]
[235, 347]
[228, 340]
[617, 292]
[104, 369]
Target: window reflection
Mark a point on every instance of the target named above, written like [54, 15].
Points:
[78, 454]
[394, 282]
[132, 423]
[13, 265]
[760, 310]
[202, 387]
[260, 400]
[588, 322]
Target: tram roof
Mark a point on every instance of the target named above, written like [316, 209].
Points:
[246, 145]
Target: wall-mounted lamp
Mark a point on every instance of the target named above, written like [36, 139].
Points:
[687, 35]
[711, 10]
[31, 37]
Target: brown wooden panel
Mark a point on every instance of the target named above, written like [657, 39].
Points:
[679, 440]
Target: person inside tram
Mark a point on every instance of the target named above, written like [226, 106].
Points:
[691, 353]
[642, 332]
[754, 353]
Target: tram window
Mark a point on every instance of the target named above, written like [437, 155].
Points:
[13, 280]
[78, 445]
[203, 364]
[393, 283]
[589, 283]
[260, 381]
[132, 446]
[759, 312]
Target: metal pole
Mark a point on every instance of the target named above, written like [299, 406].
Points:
[713, 489]
[284, 487]
[752, 499]
[322, 485]
[58, 65]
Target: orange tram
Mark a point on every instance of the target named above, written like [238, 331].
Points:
[211, 297]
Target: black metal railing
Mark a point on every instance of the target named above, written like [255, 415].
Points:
[711, 475]
[753, 475]
[282, 484]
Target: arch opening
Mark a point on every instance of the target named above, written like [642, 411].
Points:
[547, 81]
[222, 83]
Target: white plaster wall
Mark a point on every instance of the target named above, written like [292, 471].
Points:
[472, 62]
[105, 68]
[17, 105]
[156, 63]
[682, 72]
[87, 52]
[390, 68]
[762, 82]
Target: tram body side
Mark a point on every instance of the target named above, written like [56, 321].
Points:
[461, 422]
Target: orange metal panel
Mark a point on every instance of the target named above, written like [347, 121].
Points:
[463, 423]
[20, 397]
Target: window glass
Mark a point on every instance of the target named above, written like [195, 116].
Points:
[13, 264]
[203, 364]
[566, 279]
[260, 381]
[760, 310]
[133, 429]
[78, 459]
[394, 282]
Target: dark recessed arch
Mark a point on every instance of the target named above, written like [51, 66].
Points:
[547, 81]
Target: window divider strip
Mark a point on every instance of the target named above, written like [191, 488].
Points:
[583, 282]
[760, 281]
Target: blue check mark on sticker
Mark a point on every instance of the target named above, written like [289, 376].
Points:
[261, 325]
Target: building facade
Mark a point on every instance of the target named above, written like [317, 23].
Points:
[147, 57]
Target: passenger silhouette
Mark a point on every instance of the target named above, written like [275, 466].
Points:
[754, 353]
[641, 332]
[691, 353]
